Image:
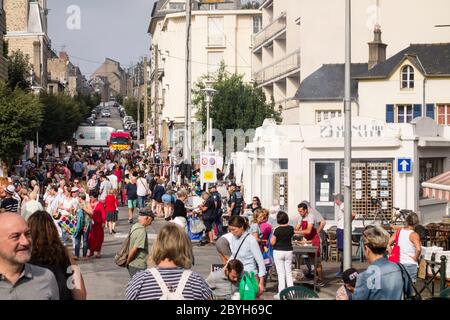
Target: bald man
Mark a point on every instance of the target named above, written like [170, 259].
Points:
[20, 280]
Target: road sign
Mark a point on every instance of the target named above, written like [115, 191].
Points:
[208, 167]
[404, 165]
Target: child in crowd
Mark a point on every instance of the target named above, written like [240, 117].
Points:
[111, 208]
[345, 292]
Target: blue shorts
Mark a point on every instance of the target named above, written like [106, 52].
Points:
[167, 198]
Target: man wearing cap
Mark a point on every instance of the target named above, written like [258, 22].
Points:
[9, 204]
[138, 247]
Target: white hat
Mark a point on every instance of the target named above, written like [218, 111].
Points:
[10, 189]
[74, 189]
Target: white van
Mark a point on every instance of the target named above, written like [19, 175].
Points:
[93, 136]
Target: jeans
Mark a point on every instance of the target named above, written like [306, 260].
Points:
[283, 264]
[132, 270]
[141, 201]
[218, 223]
[78, 244]
[412, 271]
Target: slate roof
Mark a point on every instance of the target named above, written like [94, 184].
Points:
[434, 57]
[328, 83]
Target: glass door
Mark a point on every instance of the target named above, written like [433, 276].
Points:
[325, 177]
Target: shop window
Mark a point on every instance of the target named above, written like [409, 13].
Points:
[322, 115]
[443, 114]
[407, 77]
[429, 168]
[325, 187]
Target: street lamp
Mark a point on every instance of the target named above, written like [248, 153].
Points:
[209, 92]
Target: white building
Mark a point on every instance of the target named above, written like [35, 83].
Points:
[299, 36]
[220, 32]
[292, 163]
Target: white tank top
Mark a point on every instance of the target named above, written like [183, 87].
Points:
[407, 248]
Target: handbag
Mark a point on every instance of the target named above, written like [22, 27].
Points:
[68, 223]
[197, 225]
[248, 286]
[395, 253]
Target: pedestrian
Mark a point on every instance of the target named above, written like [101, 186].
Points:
[78, 168]
[281, 241]
[93, 183]
[19, 279]
[105, 186]
[111, 208]
[255, 205]
[132, 197]
[208, 210]
[383, 279]
[31, 206]
[113, 180]
[339, 201]
[224, 282]
[306, 229]
[168, 200]
[172, 256]
[235, 200]
[138, 246]
[9, 204]
[143, 190]
[223, 247]
[96, 235]
[83, 227]
[157, 196]
[245, 248]
[180, 213]
[49, 252]
[255, 230]
[218, 212]
[410, 245]
[266, 228]
[345, 292]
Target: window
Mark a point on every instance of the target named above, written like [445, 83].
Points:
[429, 168]
[177, 6]
[443, 114]
[407, 77]
[404, 113]
[212, 6]
[322, 115]
[257, 24]
[216, 37]
[214, 60]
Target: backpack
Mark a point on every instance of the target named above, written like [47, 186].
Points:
[248, 287]
[121, 256]
[166, 294]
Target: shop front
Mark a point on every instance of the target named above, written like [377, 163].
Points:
[389, 162]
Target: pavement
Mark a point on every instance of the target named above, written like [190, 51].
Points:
[104, 280]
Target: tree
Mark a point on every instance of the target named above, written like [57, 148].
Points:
[19, 70]
[20, 118]
[62, 116]
[130, 106]
[235, 105]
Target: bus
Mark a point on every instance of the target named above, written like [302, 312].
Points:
[120, 141]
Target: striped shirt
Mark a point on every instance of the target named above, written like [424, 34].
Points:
[144, 287]
[10, 205]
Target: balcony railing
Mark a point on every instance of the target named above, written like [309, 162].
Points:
[279, 68]
[269, 31]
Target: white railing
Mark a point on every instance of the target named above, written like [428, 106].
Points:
[279, 68]
[269, 31]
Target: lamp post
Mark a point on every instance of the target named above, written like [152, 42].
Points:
[209, 92]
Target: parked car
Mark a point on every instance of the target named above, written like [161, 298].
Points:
[127, 118]
[91, 121]
[128, 125]
[106, 113]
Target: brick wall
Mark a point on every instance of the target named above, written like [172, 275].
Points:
[16, 12]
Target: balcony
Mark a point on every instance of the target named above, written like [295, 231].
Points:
[278, 69]
[270, 31]
[288, 103]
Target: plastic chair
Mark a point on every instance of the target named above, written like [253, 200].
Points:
[297, 293]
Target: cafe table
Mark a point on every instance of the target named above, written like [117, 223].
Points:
[303, 248]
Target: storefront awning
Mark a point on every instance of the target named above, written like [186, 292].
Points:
[438, 187]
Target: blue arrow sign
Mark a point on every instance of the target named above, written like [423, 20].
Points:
[404, 165]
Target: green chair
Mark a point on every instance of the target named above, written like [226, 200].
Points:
[297, 293]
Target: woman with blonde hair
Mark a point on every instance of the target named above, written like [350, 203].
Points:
[173, 257]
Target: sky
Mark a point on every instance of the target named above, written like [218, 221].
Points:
[116, 29]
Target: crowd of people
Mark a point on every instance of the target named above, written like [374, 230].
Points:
[60, 212]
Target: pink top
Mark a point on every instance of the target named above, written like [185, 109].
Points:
[266, 229]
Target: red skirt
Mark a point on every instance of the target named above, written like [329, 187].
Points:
[96, 237]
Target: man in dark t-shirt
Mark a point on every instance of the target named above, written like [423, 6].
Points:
[208, 214]
[132, 197]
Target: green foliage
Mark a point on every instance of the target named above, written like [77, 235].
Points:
[19, 70]
[130, 106]
[235, 105]
[119, 99]
[20, 118]
[62, 116]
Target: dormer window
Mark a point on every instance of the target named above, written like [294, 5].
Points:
[407, 77]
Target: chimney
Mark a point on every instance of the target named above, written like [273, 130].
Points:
[377, 49]
[63, 56]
